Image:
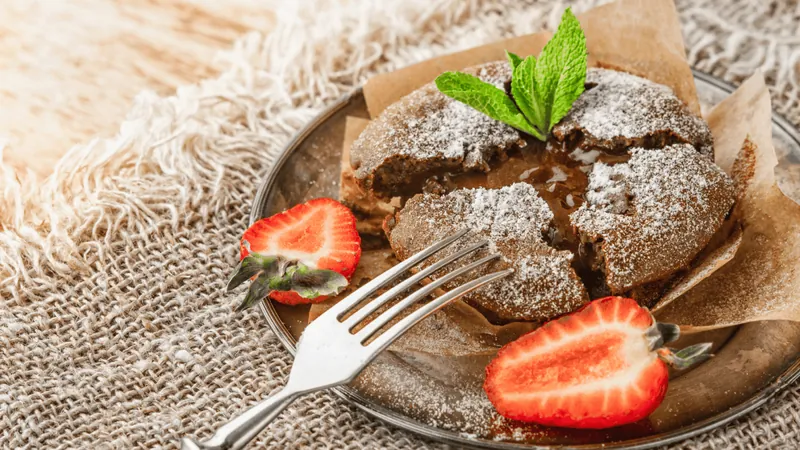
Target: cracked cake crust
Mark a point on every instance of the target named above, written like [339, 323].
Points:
[513, 219]
[649, 217]
[619, 110]
[426, 133]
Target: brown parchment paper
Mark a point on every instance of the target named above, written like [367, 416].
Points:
[762, 281]
[642, 37]
[704, 267]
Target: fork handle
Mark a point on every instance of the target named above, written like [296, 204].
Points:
[238, 432]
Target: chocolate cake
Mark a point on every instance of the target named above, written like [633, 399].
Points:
[427, 133]
[622, 196]
[369, 210]
[652, 215]
[514, 220]
[618, 110]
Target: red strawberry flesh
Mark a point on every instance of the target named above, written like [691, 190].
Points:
[590, 369]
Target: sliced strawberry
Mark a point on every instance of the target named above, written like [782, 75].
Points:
[319, 234]
[598, 367]
[291, 298]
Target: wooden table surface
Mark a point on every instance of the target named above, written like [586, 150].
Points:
[70, 69]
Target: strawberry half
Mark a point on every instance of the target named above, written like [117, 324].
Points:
[599, 367]
[300, 255]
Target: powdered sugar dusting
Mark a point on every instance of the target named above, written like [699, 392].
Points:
[608, 188]
[513, 219]
[512, 212]
[544, 278]
[456, 131]
[447, 393]
[458, 405]
[426, 129]
[653, 213]
[618, 106]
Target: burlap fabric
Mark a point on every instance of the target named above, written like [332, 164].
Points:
[114, 331]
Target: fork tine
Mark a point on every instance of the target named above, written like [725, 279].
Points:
[397, 330]
[341, 308]
[373, 305]
[418, 295]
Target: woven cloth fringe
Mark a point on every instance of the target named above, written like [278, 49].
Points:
[114, 332]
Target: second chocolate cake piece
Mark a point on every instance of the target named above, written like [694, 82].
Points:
[649, 217]
[427, 133]
[619, 110]
[513, 219]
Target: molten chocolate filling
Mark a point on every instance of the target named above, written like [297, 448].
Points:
[560, 175]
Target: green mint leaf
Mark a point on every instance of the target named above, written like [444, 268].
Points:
[513, 59]
[485, 97]
[522, 90]
[543, 89]
[560, 72]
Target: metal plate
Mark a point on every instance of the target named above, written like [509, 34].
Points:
[727, 387]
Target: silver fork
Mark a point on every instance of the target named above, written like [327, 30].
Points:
[329, 353]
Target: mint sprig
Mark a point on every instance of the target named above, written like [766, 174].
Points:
[513, 59]
[543, 89]
[484, 97]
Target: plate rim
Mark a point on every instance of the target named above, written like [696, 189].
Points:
[350, 395]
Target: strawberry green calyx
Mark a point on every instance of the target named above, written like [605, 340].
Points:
[276, 273]
[659, 334]
[309, 283]
[257, 265]
[685, 357]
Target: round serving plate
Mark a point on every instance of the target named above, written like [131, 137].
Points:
[752, 362]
